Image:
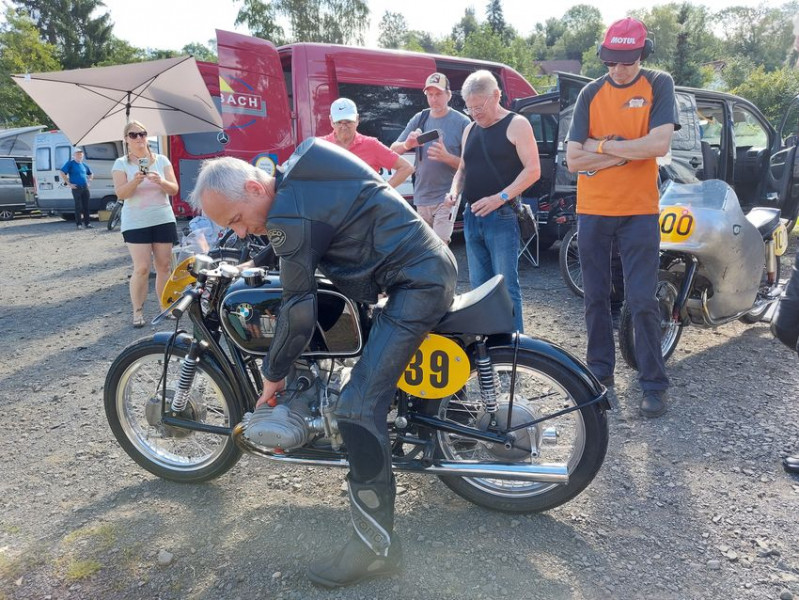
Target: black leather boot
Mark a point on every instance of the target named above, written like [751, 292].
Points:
[372, 551]
[791, 464]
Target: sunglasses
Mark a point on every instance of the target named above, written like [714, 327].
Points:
[610, 64]
[137, 134]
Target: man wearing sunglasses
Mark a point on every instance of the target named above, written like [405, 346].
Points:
[622, 122]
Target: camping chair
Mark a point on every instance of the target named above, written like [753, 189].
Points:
[529, 247]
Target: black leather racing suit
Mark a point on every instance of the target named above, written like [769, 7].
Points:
[785, 324]
[334, 213]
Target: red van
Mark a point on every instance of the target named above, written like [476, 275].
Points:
[273, 98]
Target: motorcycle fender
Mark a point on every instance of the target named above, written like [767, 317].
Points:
[554, 353]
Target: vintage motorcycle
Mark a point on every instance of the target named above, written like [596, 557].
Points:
[507, 421]
[716, 264]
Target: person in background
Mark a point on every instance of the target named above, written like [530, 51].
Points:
[436, 162]
[77, 175]
[344, 119]
[785, 327]
[366, 239]
[145, 181]
[499, 162]
[622, 122]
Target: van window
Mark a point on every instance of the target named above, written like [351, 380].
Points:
[203, 144]
[748, 130]
[62, 155]
[685, 138]
[384, 110]
[8, 168]
[43, 159]
[105, 151]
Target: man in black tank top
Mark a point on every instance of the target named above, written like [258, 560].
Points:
[499, 162]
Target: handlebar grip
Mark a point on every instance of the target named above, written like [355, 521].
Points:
[183, 304]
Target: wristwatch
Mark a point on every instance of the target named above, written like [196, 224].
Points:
[504, 196]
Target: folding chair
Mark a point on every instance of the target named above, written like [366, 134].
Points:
[529, 248]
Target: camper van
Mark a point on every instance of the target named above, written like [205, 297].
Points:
[272, 98]
[17, 193]
[52, 150]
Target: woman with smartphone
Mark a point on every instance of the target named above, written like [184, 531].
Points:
[145, 180]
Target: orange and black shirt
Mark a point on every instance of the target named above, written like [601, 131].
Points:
[605, 109]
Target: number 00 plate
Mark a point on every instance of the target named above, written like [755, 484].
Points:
[438, 369]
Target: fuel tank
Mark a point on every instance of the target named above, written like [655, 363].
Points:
[250, 309]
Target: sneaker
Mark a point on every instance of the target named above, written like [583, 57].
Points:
[653, 403]
[80, 226]
[88, 226]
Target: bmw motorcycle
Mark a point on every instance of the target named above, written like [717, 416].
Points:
[717, 264]
[508, 422]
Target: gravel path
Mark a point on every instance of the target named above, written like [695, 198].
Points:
[694, 505]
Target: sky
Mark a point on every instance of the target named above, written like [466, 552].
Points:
[171, 24]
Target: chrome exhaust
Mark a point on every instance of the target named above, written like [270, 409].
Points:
[544, 473]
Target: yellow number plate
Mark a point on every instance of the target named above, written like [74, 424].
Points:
[438, 369]
[677, 224]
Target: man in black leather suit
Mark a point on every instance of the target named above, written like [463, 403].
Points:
[329, 210]
[785, 326]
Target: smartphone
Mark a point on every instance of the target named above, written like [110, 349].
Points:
[143, 162]
[427, 136]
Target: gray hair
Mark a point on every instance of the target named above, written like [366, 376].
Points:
[227, 176]
[479, 83]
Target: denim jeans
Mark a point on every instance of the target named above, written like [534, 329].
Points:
[638, 239]
[492, 248]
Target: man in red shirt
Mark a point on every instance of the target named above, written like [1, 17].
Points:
[344, 119]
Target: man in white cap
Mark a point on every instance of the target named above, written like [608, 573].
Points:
[344, 119]
[436, 161]
[622, 122]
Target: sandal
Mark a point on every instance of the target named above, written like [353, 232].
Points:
[138, 319]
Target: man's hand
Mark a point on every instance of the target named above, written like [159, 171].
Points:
[271, 389]
[437, 151]
[485, 206]
[410, 142]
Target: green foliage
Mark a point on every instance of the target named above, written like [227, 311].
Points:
[772, 92]
[330, 21]
[21, 51]
[393, 30]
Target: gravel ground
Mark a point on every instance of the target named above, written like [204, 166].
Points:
[694, 505]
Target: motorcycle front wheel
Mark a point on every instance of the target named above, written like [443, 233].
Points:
[670, 330]
[132, 398]
[577, 440]
[569, 262]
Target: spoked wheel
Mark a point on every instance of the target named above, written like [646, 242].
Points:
[569, 260]
[116, 216]
[763, 301]
[670, 330]
[576, 440]
[133, 407]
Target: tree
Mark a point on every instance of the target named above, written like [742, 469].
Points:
[764, 34]
[81, 40]
[685, 69]
[21, 51]
[770, 92]
[496, 19]
[201, 51]
[393, 30]
[582, 28]
[330, 21]
[464, 28]
[486, 45]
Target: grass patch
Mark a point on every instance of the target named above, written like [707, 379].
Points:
[102, 536]
[13, 568]
[78, 570]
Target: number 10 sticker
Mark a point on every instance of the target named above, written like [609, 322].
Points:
[438, 369]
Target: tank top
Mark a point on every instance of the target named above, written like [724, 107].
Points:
[481, 180]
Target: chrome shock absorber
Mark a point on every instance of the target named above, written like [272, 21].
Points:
[487, 378]
[188, 368]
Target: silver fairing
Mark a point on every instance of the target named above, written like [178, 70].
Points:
[730, 250]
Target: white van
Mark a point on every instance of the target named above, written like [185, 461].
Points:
[51, 151]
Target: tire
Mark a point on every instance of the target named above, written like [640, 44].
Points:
[761, 305]
[132, 407]
[670, 330]
[6, 215]
[569, 260]
[116, 216]
[542, 387]
[68, 216]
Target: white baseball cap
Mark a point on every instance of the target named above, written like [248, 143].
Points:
[343, 109]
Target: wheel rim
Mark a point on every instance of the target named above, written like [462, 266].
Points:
[560, 441]
[573, 264]
[669, 328]
[6, 215]
[139, 384]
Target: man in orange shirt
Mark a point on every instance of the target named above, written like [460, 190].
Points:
[622, 122]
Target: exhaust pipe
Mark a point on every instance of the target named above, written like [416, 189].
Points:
[546, 473]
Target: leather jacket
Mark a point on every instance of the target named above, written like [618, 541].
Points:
[332, 212]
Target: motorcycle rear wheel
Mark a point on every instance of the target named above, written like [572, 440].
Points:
[670, 330]
[578, 439]
[133, 408]
[569, 262]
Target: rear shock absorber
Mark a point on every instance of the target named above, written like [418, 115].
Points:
[488, 380]
[188, 368]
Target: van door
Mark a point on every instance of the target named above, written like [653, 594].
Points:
[52, 150]
[783, 167]
[12, 194]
